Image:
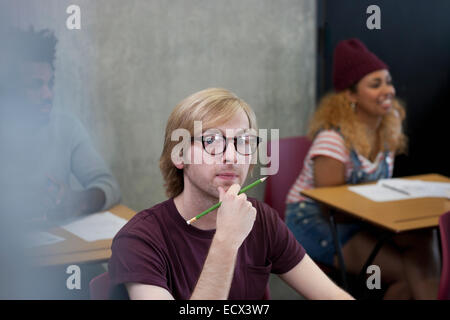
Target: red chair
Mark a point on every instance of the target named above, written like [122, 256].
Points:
[99, 287]
[292, 152]
[444, 229]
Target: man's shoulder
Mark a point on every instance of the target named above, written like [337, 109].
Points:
[146, 220]
[63, 117]
[260, 204]
[263, 208]
[64, 122]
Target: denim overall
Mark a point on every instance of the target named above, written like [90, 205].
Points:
[312, 229]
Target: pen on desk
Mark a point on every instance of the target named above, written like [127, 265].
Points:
[395, 189]
[214, 207]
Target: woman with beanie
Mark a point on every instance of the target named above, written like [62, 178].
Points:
[356, 132]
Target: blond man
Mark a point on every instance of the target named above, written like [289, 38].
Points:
[229, 253]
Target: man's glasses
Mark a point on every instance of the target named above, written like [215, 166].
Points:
[216, 143]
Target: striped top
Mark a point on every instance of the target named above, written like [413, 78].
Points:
[331, 144]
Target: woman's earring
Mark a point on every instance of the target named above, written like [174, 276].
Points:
[353, 105]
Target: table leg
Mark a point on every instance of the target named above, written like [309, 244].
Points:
[382, 239]
[361, 285]
[338, 248]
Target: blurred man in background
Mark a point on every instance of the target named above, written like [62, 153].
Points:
[43, 150]
[49, 168]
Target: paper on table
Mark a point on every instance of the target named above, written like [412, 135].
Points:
[98, 226]
[400, 189]
[419, 188]
[378, 193]
[37, 239]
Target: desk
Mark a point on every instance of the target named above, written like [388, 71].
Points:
[75, 250]
[392, 216]
[395, 216]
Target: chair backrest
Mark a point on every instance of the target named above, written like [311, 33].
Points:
[292, 152]
[444, 229]
[99, 287]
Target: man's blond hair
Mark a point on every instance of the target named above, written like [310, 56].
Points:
[213, 107]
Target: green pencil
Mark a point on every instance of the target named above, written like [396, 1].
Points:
[214, 207]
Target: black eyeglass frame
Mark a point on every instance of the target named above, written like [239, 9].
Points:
[202, 139]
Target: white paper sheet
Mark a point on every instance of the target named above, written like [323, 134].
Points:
[400, 189]
[418, 188]
[37, 239]
[98, 226]
[378, 193]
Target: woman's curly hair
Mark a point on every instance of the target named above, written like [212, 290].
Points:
[335, 111]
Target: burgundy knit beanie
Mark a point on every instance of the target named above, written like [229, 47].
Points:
[352, 61]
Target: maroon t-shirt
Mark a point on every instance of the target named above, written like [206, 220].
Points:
[158, 247]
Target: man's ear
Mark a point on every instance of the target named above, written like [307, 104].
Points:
[179, 165]
[178, 160]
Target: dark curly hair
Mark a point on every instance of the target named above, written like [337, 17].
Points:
[33, 46]
[18, 46]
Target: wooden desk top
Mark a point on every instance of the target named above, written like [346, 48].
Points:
[75, 250]
[397, 216]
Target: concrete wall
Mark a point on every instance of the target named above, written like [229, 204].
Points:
[133, 61]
